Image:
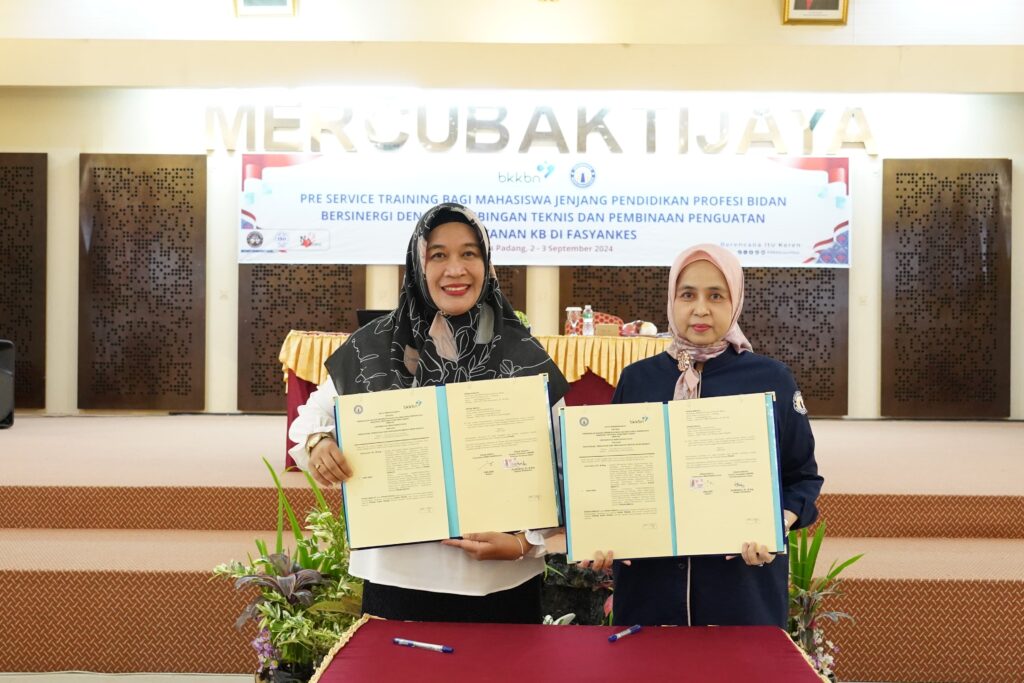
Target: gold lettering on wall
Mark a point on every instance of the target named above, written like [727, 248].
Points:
[389, 120]
[771, 136]
[596, 124]
[476, 124]
[273, 124]
[229, 136]
[861, 136]
[723, 137]
[488, 130]
[434, 145]
[807, 128]
[333, 123]
[552, 136]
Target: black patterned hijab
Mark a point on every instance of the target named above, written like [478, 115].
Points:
[417, 345]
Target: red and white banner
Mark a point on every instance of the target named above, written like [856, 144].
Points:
[549, 209]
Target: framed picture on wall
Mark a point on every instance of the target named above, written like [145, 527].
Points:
[263, 8]
[814, 11]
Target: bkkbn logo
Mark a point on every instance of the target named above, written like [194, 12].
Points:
[519, 178]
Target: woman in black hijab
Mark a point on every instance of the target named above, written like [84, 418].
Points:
[452, 324]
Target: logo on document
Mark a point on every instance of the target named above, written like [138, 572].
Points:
[584, 422]
[357, 409]
[254, 239]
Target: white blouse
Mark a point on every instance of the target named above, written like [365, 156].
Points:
[421, 566]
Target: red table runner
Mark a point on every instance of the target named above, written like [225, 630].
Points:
[556, 654]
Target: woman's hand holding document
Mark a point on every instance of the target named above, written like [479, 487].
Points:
[435, 463]
[696, 477]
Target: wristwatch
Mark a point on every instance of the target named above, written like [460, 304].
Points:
[316, 437]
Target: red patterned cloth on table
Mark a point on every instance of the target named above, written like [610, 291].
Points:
[724, 654]
[600, 317]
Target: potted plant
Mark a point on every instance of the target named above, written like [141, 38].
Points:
[806, 596]
[569, 589]
[305, 598]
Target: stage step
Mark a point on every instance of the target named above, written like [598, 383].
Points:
[122, 601]
[113, 524]
[929, 609]
[157, 507]
[147, 472]
[938, 593]
[900, 515]
[252, 507]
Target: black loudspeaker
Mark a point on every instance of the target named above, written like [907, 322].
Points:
[6, 383]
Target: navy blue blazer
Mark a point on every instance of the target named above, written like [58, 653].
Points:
[707, 590]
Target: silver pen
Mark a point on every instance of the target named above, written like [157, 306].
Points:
[423, 646]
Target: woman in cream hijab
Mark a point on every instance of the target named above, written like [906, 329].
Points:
[710, 356]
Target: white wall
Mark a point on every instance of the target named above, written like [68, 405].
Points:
[637, 22]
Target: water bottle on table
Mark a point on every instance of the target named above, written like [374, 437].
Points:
[588, 321]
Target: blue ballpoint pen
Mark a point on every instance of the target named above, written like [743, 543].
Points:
[423, 646]
[622, 634]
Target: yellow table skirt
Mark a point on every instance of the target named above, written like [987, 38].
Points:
[304, 354]
[604, 356]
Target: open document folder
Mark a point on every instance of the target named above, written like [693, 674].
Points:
[437, 462]
[696, 477]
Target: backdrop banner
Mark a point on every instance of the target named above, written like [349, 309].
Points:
[554, 210]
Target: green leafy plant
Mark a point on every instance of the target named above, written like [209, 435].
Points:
[807, 594]
[306, 597]
[570, 589]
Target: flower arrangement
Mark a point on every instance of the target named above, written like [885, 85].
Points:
[806, 595]
[306, 599]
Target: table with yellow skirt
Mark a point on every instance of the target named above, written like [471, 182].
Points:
[592, 365]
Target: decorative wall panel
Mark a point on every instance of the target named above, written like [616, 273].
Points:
[23, 272]
[946, 278]
[800, 317]
[796, 315]
[512, 281]
[142, 282]
[633, 293]
[273, 299]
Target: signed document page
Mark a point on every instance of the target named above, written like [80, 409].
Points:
[397, 492]
[502, 454]
[725, 474]
[617, 485]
